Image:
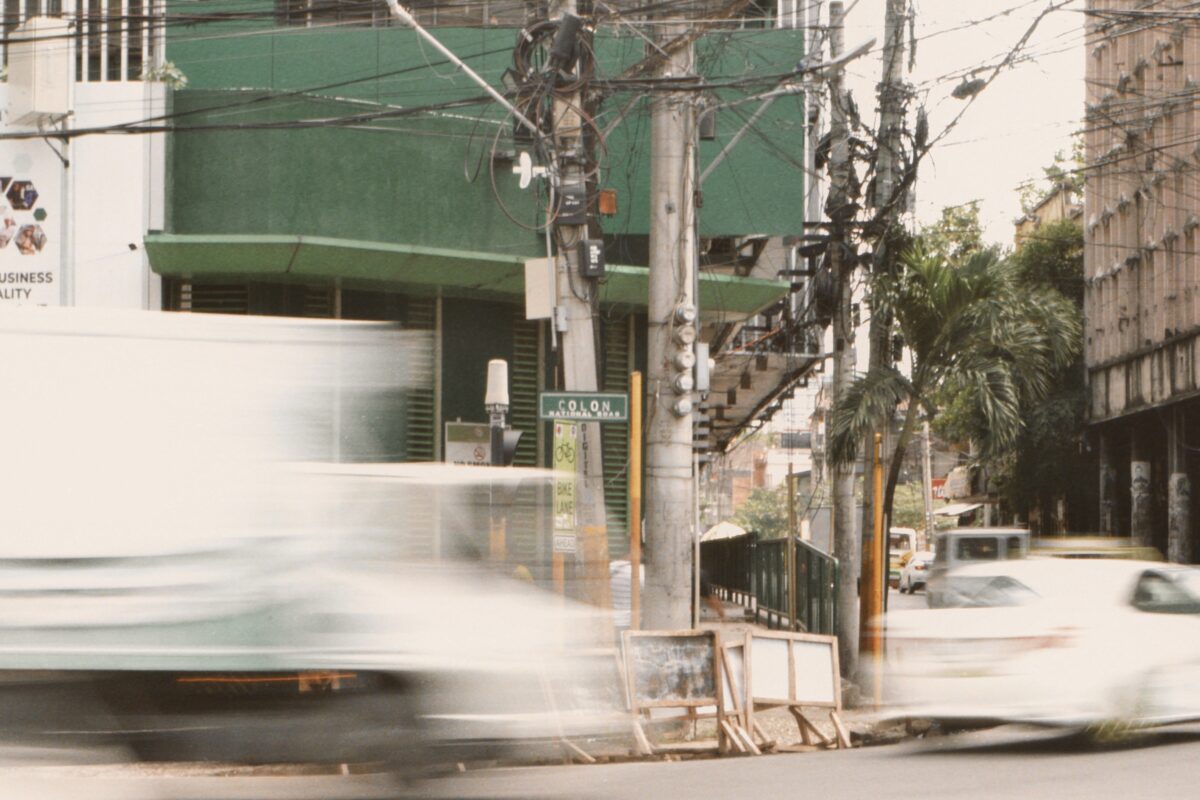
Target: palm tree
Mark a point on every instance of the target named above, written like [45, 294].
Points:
[971, 329]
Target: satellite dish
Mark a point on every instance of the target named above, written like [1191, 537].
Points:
[527, 170]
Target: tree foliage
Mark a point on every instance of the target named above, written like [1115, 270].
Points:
[956, 234]
[1043, 462]
[764, 512]
[1065, 173]
[976, 333]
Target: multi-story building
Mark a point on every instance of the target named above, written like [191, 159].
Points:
[319, 160]
[1142, 297]
[74, 210]
[1058, 204]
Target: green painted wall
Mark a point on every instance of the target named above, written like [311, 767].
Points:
[758, 186]
[405, 179]
[403, 185]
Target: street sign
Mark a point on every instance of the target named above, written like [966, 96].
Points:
[564, 542]
[565, 463]
[468, 443]
[584, 406]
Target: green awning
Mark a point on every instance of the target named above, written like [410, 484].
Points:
[463, 273]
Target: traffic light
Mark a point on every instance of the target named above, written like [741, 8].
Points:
[509, 450]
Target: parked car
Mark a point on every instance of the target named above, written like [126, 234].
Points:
[902, 542]
[960, 546]
[1060, 642]
[915, 571]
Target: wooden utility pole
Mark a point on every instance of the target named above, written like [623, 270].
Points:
[672, 317]
[877, 568]
[575, 322]
[842, 262]
[927, 484]
[887, 209]
[635, 500]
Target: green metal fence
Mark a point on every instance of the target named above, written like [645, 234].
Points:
[816, 589]
[754, 573]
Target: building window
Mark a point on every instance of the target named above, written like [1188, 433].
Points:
[113, 39]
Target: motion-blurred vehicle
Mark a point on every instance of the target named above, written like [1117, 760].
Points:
[916, 571]
[1058, 642]
[205, 556]
[901, 543]
[957, 547]
[1093, 547]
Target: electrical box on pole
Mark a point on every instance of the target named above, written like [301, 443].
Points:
[591, 258]
[572, 205]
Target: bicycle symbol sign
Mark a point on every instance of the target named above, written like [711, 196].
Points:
[565, 450]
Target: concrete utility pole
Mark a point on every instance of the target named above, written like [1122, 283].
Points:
[845, 531]
[1179, 491]
[891, 111]
[812, 197]
[887, 213]
[672, 332]
[573, 315]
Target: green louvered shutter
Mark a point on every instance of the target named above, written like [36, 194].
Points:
[419, 315]
[211, 298]
[523, 388]
[319, 302]
[527, 524]
[615, 368]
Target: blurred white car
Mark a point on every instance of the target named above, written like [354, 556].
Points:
[1051, 641]
[915, 571]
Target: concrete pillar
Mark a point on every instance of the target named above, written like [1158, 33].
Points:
[1108, 484]
[1140, 517]
[1179, 491]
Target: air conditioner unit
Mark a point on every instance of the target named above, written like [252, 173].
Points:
[40, 59]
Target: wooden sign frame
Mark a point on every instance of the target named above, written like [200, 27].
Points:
[794, 695]
[573, 750]
[795, 699]
[640, 706]
[739, 710]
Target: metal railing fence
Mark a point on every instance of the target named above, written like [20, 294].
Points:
[754, 573]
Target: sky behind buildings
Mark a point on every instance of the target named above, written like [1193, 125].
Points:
[1015, 125]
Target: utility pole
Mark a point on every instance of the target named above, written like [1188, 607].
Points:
[813, 55]
[886, 213]
[927, 482]
[575, 294]
[790, 556]
[874, 625]
[671, 335]
[891, 112]
[840, 211]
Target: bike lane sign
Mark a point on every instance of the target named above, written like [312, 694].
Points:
[565, 463]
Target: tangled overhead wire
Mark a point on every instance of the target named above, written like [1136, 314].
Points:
[552, 63]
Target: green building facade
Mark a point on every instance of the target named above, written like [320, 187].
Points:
[347, 171]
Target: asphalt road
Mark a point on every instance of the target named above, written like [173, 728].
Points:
[1001, 763]
[906, 602]
[1007, 762]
